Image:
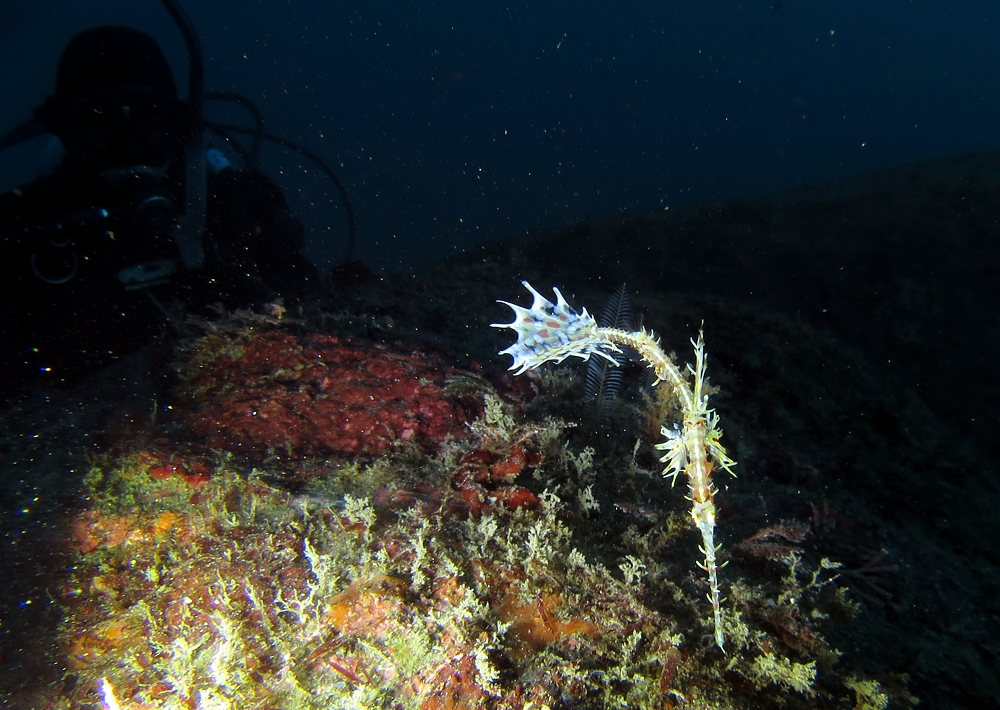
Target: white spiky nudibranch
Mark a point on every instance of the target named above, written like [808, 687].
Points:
[552, 332]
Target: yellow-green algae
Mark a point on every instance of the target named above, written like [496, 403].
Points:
[243, 595]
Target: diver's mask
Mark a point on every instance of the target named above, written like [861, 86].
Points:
[120, 125]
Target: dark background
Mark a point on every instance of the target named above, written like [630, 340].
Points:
[453, 123]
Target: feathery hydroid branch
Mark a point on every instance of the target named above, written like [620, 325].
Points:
[551, 332]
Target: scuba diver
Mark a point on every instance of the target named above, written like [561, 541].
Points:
[139, 221]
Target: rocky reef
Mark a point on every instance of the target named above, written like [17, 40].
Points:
[459, 548]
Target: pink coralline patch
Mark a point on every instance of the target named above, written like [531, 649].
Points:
[481, 477]
[196, 471]
[320, 394]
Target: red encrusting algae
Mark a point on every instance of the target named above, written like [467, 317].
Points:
[319, 394]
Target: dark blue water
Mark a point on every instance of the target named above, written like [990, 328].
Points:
[452, 123]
